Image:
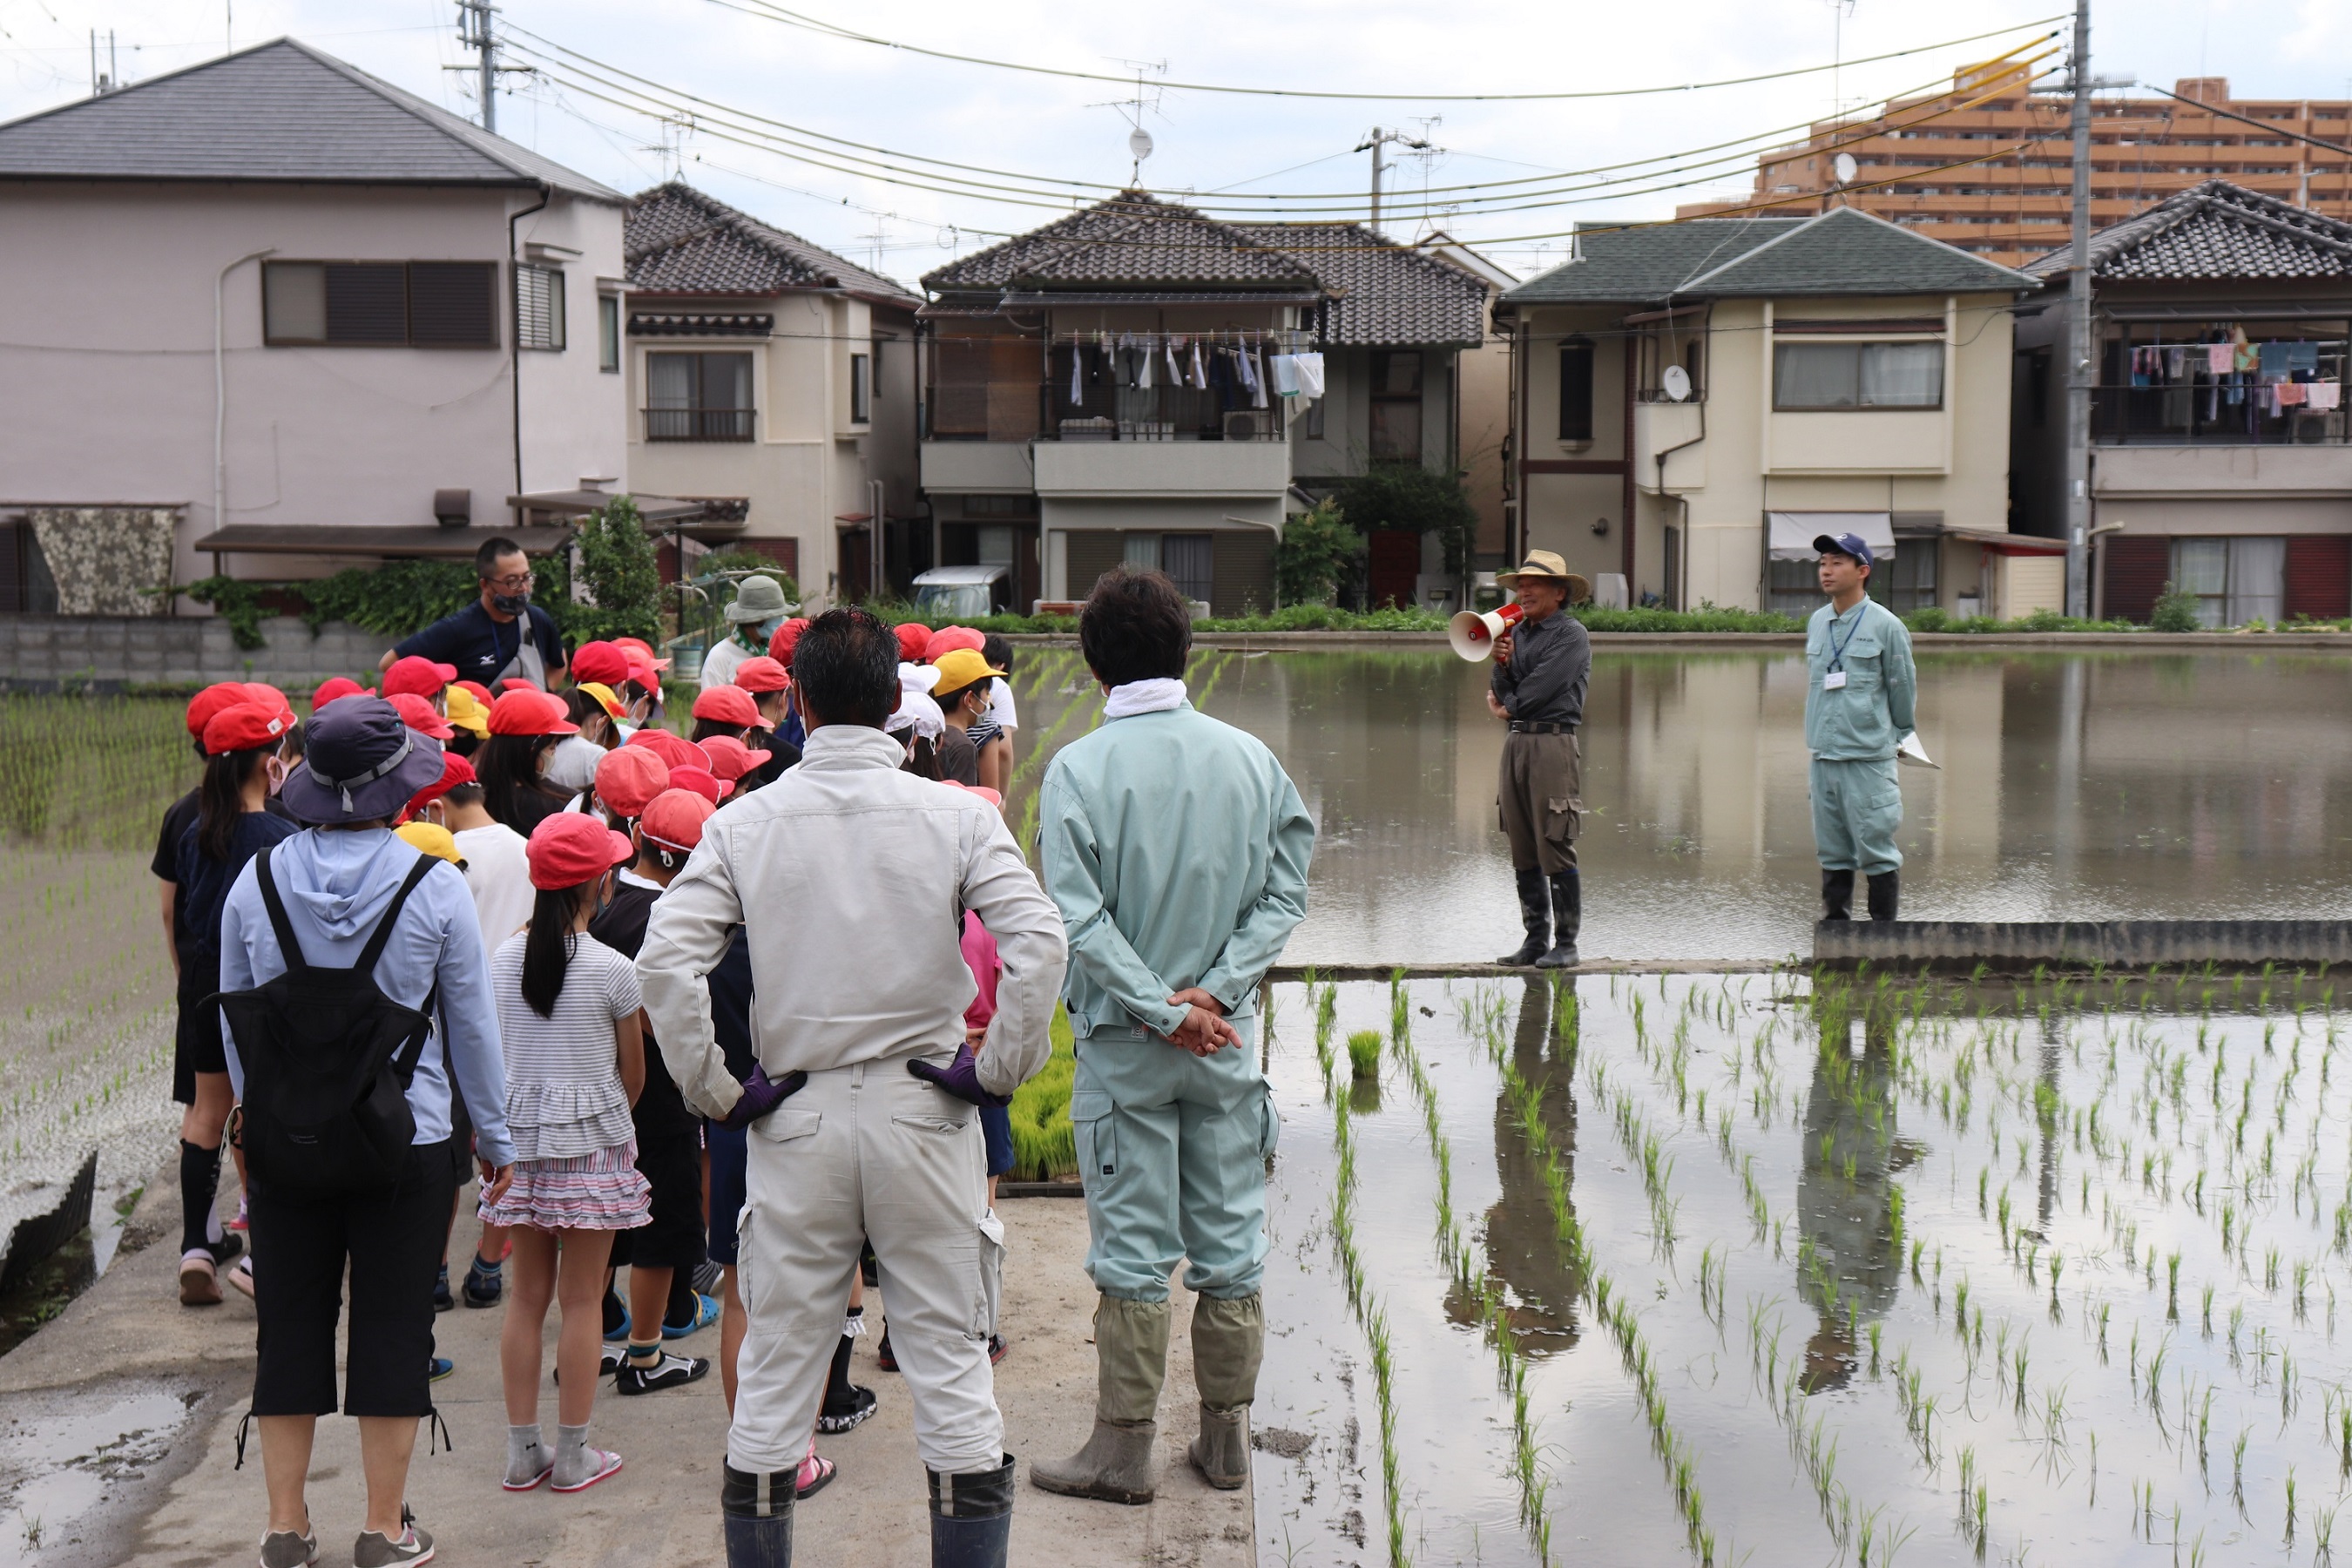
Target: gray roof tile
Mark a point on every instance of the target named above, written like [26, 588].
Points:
[681, 241]
[2215, 231]
[1132, 240]
[279, 110]
[1382, 294]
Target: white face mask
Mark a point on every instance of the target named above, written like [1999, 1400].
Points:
[277, 771]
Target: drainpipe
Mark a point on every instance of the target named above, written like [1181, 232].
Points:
[514, 334]
[220, 395]
[1661, 457]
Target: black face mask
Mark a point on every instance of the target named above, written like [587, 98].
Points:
[510, 604]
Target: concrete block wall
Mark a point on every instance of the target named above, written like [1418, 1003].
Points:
[42, 652]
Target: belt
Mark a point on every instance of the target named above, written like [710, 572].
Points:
[1540, 727]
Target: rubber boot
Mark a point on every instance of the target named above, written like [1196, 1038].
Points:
[1884, 895]
[1535, 913]
[971, 1517]
[1837, 895]
[1131, 1361]
[1228, 1347]
[757, 1510]
[1566, 919]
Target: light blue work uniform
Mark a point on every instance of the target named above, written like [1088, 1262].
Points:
[1853, 729]
[1176, 848]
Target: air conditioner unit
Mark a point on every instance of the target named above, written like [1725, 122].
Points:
[1249, 425]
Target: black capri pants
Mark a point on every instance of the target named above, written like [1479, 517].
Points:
[391, 1244]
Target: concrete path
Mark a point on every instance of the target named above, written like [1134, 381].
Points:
[94, 1426]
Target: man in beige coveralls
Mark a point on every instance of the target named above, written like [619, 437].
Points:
[1541, 667]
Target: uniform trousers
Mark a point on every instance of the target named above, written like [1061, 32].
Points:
[1857, 807]
[868, 1151]
[1171, 1150]
[1540, 795]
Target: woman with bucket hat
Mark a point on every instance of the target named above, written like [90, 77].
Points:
[758, 610]
[321, 901]
[1541, 667]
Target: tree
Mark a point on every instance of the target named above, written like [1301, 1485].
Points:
[1406, 495]
[619, 572]
[1317, 553]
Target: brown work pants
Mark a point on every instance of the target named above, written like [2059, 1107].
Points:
[1541, 800]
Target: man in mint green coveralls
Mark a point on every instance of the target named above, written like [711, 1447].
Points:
[1176, 848]
[1859, 698]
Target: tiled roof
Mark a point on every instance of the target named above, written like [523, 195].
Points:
[1132, 240]
[1842, 251]
[680, 241]
[1382, 294]
[2215, 231]
[280, 110]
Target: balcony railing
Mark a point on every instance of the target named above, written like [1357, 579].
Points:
[698, 424]
[1030, 409]
[2208, 415]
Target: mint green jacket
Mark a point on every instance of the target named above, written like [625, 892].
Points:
[1176, 848]
[1867, 717]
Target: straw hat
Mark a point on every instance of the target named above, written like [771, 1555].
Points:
[759, 599]
[1545, 563]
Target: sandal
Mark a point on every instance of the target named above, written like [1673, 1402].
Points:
[815, 1474]
[607, 1463]
[199, 1280]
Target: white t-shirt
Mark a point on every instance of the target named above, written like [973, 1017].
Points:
[1000, 706]
[498, 873]
[564, 1095]
[574, 765]
[719, 665]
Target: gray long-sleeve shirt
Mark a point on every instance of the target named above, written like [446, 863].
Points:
[1551, 661]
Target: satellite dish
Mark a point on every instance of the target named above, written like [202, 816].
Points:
[1675, 383]
[1847, 168]
[1139, 143]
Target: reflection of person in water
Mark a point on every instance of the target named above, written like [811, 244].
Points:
[1525, 1256]
[1852, 1263]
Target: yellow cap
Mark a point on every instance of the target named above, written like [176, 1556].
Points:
[604, 697]
[431, 838]
[467, 712]
[959, 668]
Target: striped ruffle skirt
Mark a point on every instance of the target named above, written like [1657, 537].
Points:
[602, 1191]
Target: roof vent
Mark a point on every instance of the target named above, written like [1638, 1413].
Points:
[453, 508]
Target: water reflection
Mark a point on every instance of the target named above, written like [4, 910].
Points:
[1849, 1247]
[1525, 1260]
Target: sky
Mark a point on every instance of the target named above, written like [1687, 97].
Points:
[1056, 138]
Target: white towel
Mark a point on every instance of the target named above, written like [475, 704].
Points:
[2325, 395]
[1200, 377]
[1158, 695]
[1310, 374]
[1285, 375]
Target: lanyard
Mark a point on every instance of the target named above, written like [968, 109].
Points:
[1837, 649]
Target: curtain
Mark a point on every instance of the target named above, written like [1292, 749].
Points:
[669, 381]
[1902, 376]
[1815, 375]
[2257, 581]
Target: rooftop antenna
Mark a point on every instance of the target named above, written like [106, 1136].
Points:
[1146, 100]
[876, 243]
[1839, 11]
[673, 129]
[1373, 144]
[1427, 153]
[103, 82]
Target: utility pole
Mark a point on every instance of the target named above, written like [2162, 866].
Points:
[474, 33]
[2078, 335]
[1374, 142]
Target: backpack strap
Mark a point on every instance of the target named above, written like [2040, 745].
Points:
[287, 947]
[381, 936]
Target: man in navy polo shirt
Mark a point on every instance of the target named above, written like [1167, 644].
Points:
[500, 635]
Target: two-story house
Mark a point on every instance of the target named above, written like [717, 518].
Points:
[1121, 385]
[269, 314]
[777, 381]
[2220, 457]
[1698, 400]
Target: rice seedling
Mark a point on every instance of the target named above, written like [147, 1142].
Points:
[1364, 1055]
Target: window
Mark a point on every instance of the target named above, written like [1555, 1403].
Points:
[699, 397]
[1576, 390]
[2235, 580]
[1678, 340]
[538, 307]
[1396, 405]
[861, 389]
[1857, 375]
[380, 304]
[1190, 561]
[608, 332]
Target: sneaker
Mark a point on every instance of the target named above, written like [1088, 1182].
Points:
[841, 1414]
[996, 1349]
[442, 1300]
[667, 1372]
[707, 1277]
[199, 1279]
[440, 1366]
[485, 1282]
[815, 1474]
[706, 1313]
[289, 1549]
[373, 1551]
[242, 1222]
[227, 1247]
[602, 1462]
[610, 1359]
[882, 1356]
[240, 1278]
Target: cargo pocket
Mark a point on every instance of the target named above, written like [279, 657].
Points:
[1270, 1132]
[1563, 818]
[990, 1295]
[1092, 1115]
[787, 1125]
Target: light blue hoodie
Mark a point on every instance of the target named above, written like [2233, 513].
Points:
[336, 885]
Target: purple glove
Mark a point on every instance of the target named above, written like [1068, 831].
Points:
[959, 1078]
[761, 1095]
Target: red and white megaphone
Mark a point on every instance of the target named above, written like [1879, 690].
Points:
[1472, 632]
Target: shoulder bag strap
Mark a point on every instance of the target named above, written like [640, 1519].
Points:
[287, 947]
[381, 936]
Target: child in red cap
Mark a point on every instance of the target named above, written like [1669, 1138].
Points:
[568, 1010]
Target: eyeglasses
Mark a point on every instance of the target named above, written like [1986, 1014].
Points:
[516, 580]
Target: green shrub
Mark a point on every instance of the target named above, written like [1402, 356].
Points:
[1406, 495]
[1319, 554]
[621, 573]
[1045, 1147]
[1364, 1052]
[2175, 611]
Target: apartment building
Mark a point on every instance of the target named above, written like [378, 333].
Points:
[1986, 165]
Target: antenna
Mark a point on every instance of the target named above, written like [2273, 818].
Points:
[1373, 143]
[1839, 11]
[673, 129]
[876, 243]
[1146, 100]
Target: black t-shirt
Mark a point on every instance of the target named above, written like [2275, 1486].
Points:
[959, 758]
[730, 1006]
[177, 820]
[660, 1109]
[480, 647]
[204, 884]
[534, 805]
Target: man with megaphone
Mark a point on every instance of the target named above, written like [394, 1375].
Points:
[1542, 662]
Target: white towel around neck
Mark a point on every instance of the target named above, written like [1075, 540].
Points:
[1157, 695]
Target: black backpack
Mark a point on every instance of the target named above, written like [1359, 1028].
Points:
[328, 1058]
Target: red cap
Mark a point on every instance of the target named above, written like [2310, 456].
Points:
[242, 727]
[758, 676]
[727, 705]
[947, 639]
[211, 700]
[269, 697]
[731, 759]
[914, 641]
[644, 672]
[529, 711]
[517, 683]
[674, 819]
[572, 847]
[673, 748]
[454, 771]
[641, 648]
[786, 638]
[628, 776]
[334, 690]
[481, 692]
[702, 782]
[420, 676]
[599, 662]
[418, 715]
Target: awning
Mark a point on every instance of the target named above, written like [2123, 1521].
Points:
[2008, 544]
[342, 541]
[1792, 534]
[658, 510]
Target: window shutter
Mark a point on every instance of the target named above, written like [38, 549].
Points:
[1576, 390]
[367, 303]
[1088, 554]
[453, 304]
[539, 308]
[2137, 567]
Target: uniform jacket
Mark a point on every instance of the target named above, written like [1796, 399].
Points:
[850, 879]
[1176, 848]
[1867, 718]
[1551, 661]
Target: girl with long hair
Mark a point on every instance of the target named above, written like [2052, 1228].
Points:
[512, 765]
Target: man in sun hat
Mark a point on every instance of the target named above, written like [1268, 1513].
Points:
[337, 883]
[1541, 667]
[755, 613]
[1860, 695]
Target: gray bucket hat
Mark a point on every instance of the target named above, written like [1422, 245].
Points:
[759, 599]
[359, 762]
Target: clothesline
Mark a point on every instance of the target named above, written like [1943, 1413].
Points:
[1142, 361]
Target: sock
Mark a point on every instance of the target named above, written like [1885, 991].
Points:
[643, 1354]
[482, 1266]
[571, 1454]
[526, 1454]
[837, 1382]
[199, 1194]
[683, 1311]
[615, 1314]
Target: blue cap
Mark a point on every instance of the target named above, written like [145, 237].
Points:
[1844, 544]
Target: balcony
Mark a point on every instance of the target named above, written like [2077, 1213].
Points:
[1030, 409]
[698, 424]
[2208, 413]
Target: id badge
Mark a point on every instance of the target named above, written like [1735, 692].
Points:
[1833, 681]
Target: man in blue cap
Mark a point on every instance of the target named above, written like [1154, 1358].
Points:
[1859, 699]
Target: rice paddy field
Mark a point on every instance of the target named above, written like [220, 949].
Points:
[1784, 1269]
